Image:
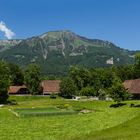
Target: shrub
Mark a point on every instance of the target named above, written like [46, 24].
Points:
[63, 106]
[53, 96]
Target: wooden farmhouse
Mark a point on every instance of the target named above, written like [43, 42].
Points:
[18, 90]
[133, 87]
[50, 87]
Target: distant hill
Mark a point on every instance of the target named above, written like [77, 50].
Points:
[56, 51]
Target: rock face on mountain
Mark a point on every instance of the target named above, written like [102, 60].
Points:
[7, 44]
[56, 51]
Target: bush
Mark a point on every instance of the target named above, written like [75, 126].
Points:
[63, 106]
[53, 96]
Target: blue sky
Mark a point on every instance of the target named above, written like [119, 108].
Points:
[117, 21]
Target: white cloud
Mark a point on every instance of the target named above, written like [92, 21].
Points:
[7, 32]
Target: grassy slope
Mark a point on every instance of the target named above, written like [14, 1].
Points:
[126, 131]
[95, 125]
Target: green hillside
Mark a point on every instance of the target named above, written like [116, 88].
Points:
[56, 51]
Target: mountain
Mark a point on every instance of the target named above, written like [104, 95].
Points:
[56, 51]
[7, 44]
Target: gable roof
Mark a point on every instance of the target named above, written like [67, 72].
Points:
[50, 86]
[15, 89]
[133, 86]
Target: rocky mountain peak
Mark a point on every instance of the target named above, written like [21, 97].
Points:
[56, 51]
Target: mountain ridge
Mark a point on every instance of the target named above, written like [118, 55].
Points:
[56, 51]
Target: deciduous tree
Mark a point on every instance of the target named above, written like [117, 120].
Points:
[118, 92]
[4, 81]
[32, 78]
[88, 91]
[67, 88]
[17, 77]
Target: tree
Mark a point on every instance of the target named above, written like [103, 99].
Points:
[126, 72]
[17, 77]
[107, 77]
[80, 76]
[95, 80]
[32, 78]
[88, 91]
[137, 59]
[4, 81]
[67, 88]
[118, 92]
[137, 65]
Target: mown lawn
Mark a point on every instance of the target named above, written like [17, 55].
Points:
[102, 122]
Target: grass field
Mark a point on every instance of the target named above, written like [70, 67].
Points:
[100, 123]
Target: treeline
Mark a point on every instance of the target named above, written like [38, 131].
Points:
[100, 82]
[13, 75]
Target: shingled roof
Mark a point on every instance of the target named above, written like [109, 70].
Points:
[50, 86]
[17, 89]
[133, 86]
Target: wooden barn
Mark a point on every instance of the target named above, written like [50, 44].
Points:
[133, 87]
[18, 90]
[50, 86]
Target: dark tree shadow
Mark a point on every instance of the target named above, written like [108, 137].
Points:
[133, 105]
[117, 105]
[11, 102]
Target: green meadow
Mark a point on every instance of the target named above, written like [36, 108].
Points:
[42, 118]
